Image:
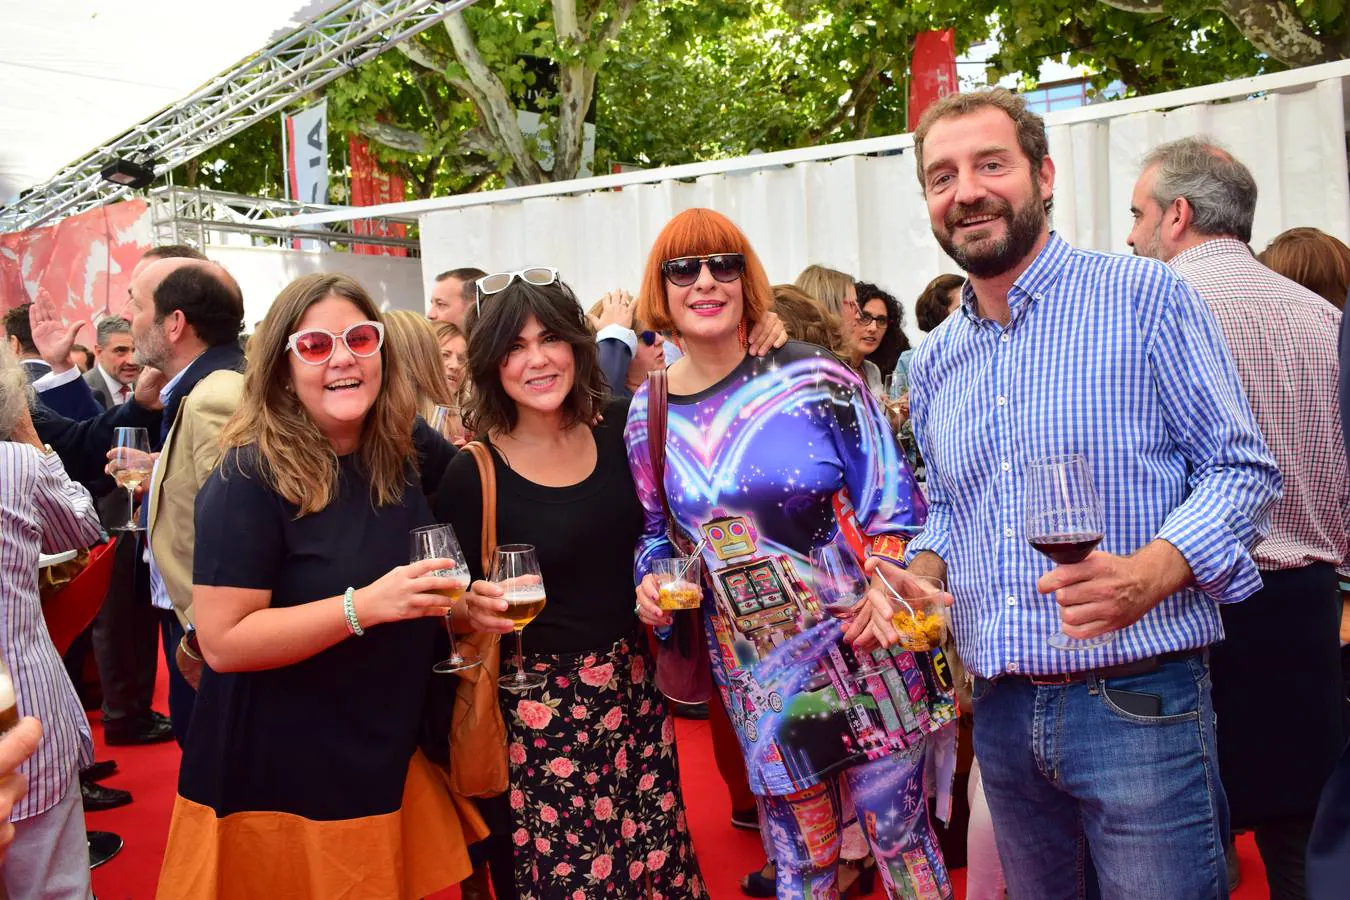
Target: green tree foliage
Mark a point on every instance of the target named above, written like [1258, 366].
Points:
[672, 81]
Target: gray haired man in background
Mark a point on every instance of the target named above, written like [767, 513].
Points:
[1277, 674]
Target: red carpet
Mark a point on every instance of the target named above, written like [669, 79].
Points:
[725, 854]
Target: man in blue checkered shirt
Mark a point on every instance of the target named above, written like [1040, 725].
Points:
[1098, 764]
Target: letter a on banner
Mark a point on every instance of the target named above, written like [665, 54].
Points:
[304, 139]
[932, 72]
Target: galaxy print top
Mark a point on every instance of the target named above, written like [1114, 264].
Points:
[785, 454]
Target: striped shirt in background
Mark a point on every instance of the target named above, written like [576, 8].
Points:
[1283, 339]
[41, 510]
[1116, 358]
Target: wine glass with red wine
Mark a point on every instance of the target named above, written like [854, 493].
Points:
[1064, 521]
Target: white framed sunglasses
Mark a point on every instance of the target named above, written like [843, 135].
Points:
[315, 346]
[539, 276]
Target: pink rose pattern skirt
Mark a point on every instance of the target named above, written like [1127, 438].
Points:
[595, 784]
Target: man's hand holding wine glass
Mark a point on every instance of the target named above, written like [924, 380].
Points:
[1105, 592]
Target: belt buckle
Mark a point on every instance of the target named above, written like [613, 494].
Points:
[1059, 678]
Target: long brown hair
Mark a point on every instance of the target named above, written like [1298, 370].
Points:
[296, 458]
[413, 340]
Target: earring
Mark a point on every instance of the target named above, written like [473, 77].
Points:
[741, 333]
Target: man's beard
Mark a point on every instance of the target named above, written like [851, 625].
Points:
[1152, 248]
[1024, 228]
[152, 349]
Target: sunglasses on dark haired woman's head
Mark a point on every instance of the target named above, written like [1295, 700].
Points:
[684, 271]
[539, 276]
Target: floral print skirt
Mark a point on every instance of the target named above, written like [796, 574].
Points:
[595, 785]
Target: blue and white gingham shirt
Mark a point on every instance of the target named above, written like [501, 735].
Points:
[1116, 358]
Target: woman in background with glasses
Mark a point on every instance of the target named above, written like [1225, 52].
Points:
[839, 294]
[766, 461]
[302, 775]
[594, 782]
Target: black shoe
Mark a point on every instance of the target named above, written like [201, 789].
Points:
[141, 731]
[697, 711]
[99, 770]
[160, 718]
[103, 846]
[97, 798]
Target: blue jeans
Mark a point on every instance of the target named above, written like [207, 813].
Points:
[1089, 800]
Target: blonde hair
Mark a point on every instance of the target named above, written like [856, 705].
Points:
[829, 286]
[806, 319]
[413, 340]
[15, 393]
[299, 463]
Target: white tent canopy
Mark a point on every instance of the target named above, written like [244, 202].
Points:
[75, 74]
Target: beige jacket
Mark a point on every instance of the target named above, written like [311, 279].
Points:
[190, 454]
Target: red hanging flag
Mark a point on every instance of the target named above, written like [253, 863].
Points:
[932, 72]
[372, 186]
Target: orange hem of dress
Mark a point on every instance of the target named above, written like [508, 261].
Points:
[415, 851]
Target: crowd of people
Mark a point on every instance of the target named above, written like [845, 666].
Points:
[350, 724]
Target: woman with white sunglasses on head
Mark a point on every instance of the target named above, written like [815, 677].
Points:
[594, 781]
[302, 774]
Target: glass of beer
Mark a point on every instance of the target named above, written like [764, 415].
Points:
[678, 582]
[515, 568]
[448, 422]
[130, 465]
[9, 706]
[439, 542]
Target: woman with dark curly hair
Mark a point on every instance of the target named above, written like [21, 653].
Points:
[880, 313]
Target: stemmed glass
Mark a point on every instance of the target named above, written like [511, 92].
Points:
[893, 395]
[448, 421]
[439, 542]
[130, 466]
[1064, 521]
[840, 586]
[515, 568]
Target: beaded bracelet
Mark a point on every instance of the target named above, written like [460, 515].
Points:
[349, 608]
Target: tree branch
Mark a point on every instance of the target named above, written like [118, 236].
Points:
[859, 86]
[394, 137]
[425, 55]
[1275, 28]
[576, 82]
[490, 97]
[1137, 6]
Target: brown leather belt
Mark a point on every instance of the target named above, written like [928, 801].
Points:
[1138, 667]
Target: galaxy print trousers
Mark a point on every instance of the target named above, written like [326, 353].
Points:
[805, 831]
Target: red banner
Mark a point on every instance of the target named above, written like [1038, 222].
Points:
[372, 186]
[82, 263]
[932, 72]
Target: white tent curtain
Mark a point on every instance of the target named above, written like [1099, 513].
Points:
[866, 215]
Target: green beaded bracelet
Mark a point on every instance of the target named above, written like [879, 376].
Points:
[349, 608]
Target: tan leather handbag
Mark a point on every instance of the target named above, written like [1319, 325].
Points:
[478, 766]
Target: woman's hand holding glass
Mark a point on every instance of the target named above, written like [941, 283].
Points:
[649, 604]
[874, 626]
[407, 592]
[486, 604]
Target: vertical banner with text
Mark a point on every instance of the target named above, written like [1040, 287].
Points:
[932, 72]
[304, 139]
[372, 186]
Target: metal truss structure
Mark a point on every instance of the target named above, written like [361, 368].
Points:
[314, 54]
[180, 215]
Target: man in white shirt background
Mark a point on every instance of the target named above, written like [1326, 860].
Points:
[113, 376]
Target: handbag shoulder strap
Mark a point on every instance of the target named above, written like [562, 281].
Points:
[487, 475]
[658, 393]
